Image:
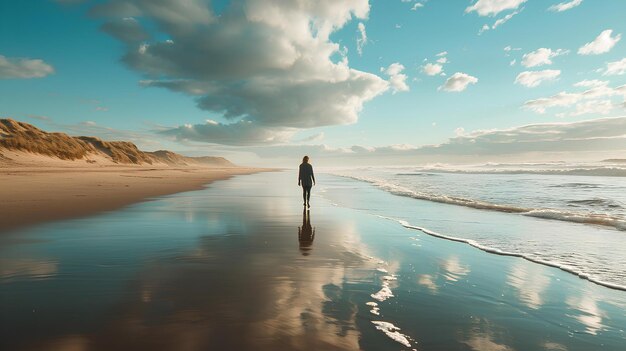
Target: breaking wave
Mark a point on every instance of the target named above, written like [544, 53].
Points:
[546, 213]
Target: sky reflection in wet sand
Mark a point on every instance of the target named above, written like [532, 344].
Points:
[231, 267]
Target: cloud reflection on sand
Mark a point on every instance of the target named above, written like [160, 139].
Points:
[485, 336]
[229, 291]
[451, 270]
[26, 268]
[553, 346]
[530, 281]
[588, 312]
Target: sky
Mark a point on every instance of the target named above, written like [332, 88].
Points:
[380, 82]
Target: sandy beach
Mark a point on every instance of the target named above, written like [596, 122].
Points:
[33, 194]
[239, 265]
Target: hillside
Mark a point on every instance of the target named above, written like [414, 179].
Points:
[24, 137]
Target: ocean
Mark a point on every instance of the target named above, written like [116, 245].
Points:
[591, 197]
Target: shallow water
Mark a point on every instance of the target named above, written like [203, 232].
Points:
[542, 191]
[582, 220]
[236, 266]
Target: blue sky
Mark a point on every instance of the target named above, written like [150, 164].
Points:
[94, 79]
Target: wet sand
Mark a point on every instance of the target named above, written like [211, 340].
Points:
[241, 266]
[32, 194]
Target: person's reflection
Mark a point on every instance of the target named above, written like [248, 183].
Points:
[306, 233]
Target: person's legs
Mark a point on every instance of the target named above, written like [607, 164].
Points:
[308, 193]
[304, 194]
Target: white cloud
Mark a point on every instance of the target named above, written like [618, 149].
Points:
[564, 6]
[504, 19]
[241, 133]
[600, 45]
[512, 63]
[562, 99]
[509, 48]
[266, 64]
[493, 7]
[600, 135]
[432, 69]
[532, 79]
[601, 107]
[498, 22]
[483, 29]
[571, 99]
[362, 39]
[397, 79]
[541, 56]
[591, 83]
[458, 82]
[616, 68]
[416, 6]
[23, 68]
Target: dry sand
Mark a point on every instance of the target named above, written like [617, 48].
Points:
[41, 189]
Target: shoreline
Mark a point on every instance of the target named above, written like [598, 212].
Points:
[35, 195]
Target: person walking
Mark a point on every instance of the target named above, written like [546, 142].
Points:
[306, 179]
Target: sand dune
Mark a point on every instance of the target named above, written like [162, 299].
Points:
[20, 136]
[49, 176]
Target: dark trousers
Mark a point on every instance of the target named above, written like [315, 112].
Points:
[306, 192]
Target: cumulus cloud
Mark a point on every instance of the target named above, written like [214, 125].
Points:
[538, 137]
[432, 69]
[361, 40]
[238, 134]
[616, 68]
[23, 68]
[603, 43]
[397, 79]
[596, 135]
[601, 107]
[532, 79]
[126, 29]
[458, 82]
[541, 56]
[416, 6]
[261, 64]
[564, 6]
[493, 7]
[597, 94]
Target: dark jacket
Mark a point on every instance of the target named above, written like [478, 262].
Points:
[306, 177]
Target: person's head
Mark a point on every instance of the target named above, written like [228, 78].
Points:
[305, 159]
